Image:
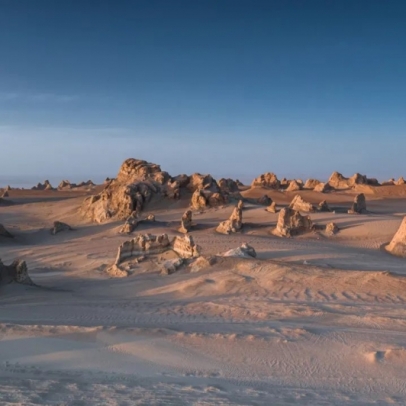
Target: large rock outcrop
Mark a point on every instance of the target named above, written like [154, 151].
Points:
[294, 186]
[299, 204]
[228, 185]
[322, 188]
[311, 183]
[323, 206]
[291, 222]
[16, 272]
[267, 180]
[137, 183]
[186, 222]
[233, 224]
[359, 206]
[4, 232]
[400, 181]
[204, 198]
[43, 186]
[338, 181]
[397, 246]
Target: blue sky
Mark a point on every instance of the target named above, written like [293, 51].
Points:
[231, 87]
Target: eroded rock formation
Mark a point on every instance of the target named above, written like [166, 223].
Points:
[272, 208]
[267, 180]
[16, 272]
[43, 186]
[322, 188]
[291, 222]
[359, 206]
[244, 251]
[323, 206]
[264, 200]
[186, 222]
[4, 232]
[311, 183]
[299, 204]
[228, 185]
[185, 246]
[204, 198]
[338, 181]
[332, 228]
[294, 186]
[59, 226]
[397, 246]
[400, 181]
[233, 224]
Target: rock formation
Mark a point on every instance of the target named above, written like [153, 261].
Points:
[4, 232]
[322, 188]
[398, 244]
[359, 206]
[265, 200]
[272, 208]
[338, 181]
[170, 266]
[185, 247]
[203, 198]
[67, 185]
[266, 180]
[244, 251]
[299, 204]
[198, 181]
[332, 228]
[43, 186]
[59, 226]
[16, 272]
[390, 182]
[5, 194]
[239, 183]
[8, 188]
[240, 204]
[291, 222]
[233, 224]
[132, 222]
[323, 206]
[400, 181]
[294, 186]
[202, 263]
[228, 185]
[186, 222]
[311, 183]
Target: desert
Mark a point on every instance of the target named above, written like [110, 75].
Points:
[220, 302]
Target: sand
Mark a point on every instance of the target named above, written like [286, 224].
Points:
[313, 320]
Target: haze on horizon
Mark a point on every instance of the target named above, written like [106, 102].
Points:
[232, 88]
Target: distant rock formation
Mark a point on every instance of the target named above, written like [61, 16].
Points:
[294, 186]
[16, 272]
[332, 228]
[323, 206]
[186, 222]
[43, 186]
[299, 204]
[390, 182]
[228, 185]
[204, 198]
[264, 200]
[400, 181]
[272, 208]
[67, 185]
[4, 232]
[59, 226]
[359, 206]
[338, 181]
[291, 222]
[239, 183]
[311, 183]
[244, 251]
[397, 246]
[233, 224]
[8, 188]
[322, 188]
[5, 194]
[267, 180]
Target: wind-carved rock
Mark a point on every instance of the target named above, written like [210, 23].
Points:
[203, 198]
[338, 181]
[322, 188]
[291, 222]
[272, 208]
[332, 228]
[323, 206]
[397, 246]
[67, 185]
[137, 183]
[264, 200]
[228, 185]
[400, 181]
[244, 251]
[4, 232]
[132, 222]
[186, 222]
[59, 226]
[299, 204]
[45, 186]
[359, 206]
[185, 246]
[233, 224]
[240, 204]
[267, 180]
[16, 272]
[5, 194]
[311, 183]
[294, 186]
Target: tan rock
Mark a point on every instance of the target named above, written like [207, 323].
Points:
[291, 222]
[294, 186]
[323, 206]
[59, 226]
[323, 188]
[400, 181]
[299, 204]
[130, 224]
[397, 246]
[332, 228]
[244, 251]
[198, 181]
[186, 222]
[8, 188]
[311, 183]
[203, 198]
[202, 263]
[4, 232]
[240, 204]
[228, 185]
[170, 266]
[185, 246]
[5, 194]
[338, 181]
[233, 224]
[272, 208]
[16, 272]
[267, 180]
[359, 206]
[390, 182]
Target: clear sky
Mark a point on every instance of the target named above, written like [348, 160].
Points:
[230, 87]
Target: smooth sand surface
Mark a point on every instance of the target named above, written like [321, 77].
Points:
[314, 320]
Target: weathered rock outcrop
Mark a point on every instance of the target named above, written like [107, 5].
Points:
[332, 228]
[244, 251]
[43, 186]
[322, 188]
[228, 185]
[359, 206]
[67, 185]
[198, 181]
[294, 186]
[16, 272]
[397, 246]
[5, 194]
[59, 226]
[202, 263]
[272, 208]
[299, 204]
[233, 224]
[186, 222]
[311, 183]
[400, 181]
[137, 183]
[185, 246]
[267, 180]
[265, 200]
[204, 198]
[132, 222]
[390, 182]
[323, 206]
[4, 232]
[338, 181]
[291, 222]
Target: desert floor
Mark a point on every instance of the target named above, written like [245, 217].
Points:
[314, 320]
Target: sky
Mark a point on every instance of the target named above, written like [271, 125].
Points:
[228, 87]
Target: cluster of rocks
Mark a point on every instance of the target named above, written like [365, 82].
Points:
[16, 272]
[43, 186]
[67, 185]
